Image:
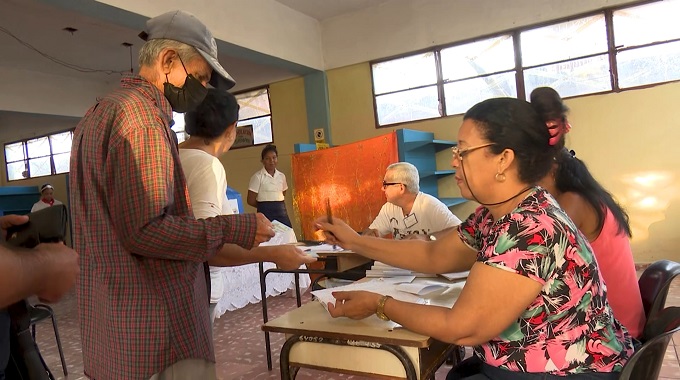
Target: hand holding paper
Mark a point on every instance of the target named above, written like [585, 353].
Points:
[354, 304]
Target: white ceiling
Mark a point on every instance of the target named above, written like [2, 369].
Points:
[325, 9]
[96, 45]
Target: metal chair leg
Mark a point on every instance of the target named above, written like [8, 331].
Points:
[61, 351]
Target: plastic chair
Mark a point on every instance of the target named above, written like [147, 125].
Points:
[647, 360]
[40, 312]
[654, 283]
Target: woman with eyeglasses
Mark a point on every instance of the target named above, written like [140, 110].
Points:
[534, 304]
[601, 219]
[267, 188]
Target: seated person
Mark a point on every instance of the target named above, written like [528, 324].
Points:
[534, 305]
[409, 211]
[46, 198]
[601, 220]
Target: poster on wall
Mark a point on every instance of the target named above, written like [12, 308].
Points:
[244, 136]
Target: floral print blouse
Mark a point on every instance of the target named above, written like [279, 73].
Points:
[570, 327]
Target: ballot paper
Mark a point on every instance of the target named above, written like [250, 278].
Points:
[282, 234]
[429, 288]
[455, 275]
[325, 296]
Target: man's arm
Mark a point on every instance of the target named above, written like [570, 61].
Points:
[140, 172]
[380, 225]
[286, 257]
[48, 271]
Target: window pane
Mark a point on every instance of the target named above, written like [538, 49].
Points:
[410, 105]
[62, 162]
[38, 147]
[15, 170]
[40, 166]
[253, 104]
[262, 129]
[647, 23]
[14, 152]
[654, 64]
[61, 142]
[478, 58]
[404, 73]
[577, 77]
[460, 96]
[179, 122]
[565, 40]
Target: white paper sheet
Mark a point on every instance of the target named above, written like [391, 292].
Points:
[325, 296]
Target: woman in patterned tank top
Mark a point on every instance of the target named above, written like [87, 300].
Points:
[534, 305]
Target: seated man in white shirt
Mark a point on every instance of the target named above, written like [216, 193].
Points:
[408, 212]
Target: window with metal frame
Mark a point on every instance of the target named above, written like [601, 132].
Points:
[38, 157]
[255, 110]
[609, 50]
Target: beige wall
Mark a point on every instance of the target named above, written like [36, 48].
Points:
[627, 139]
[289, 118]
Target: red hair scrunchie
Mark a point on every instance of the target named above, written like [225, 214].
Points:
[557, 128]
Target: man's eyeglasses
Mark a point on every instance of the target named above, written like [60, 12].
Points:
[385, 184]
[460, 153]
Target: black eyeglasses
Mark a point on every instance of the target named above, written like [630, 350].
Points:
[385, 184]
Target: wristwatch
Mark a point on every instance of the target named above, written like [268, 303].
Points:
[380, 311]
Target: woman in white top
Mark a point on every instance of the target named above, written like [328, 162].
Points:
[267, 188]
[212, 131]
[46, 198]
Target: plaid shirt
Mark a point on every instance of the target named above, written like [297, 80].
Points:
[142, 296]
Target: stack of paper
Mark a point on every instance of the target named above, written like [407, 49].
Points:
[456, 276]
[386, 288]
[429, 288]
[383, 270]
[421, 291]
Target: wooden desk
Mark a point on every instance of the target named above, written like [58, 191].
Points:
[369, 347]
[345, 260]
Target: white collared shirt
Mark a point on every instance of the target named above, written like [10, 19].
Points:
[268, 188]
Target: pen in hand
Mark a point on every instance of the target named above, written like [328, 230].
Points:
[329, 215]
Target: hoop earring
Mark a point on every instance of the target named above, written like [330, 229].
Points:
[500, 177]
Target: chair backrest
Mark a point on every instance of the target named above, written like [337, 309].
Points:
[646, 361]
[654, 283]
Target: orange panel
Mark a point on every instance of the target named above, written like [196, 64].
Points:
[350, 175]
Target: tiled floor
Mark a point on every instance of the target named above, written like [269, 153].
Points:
[239, 343]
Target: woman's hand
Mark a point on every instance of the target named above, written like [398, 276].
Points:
[355, 305]
[338, 233]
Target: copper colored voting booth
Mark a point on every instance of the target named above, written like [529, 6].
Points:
[349, 175]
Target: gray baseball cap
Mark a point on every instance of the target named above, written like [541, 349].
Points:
[186, 28]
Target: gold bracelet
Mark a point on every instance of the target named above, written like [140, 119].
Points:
[380, 311]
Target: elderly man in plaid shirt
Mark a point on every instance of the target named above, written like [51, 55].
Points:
[142, 293]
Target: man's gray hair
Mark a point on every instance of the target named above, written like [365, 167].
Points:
[406, 174]
[148, 54]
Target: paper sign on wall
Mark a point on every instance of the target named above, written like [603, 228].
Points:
[319, 135]
[244, 136]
